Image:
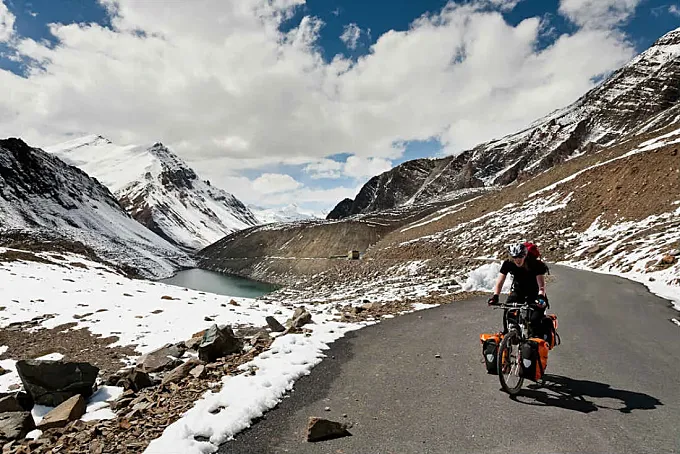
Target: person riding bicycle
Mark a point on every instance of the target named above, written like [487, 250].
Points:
[528, 284]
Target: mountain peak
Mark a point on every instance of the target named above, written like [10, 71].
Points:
[166, 155]
[158, 189]
[669, 39]
[14, 143]
[44, 197]
[101, 138]
[79, 142]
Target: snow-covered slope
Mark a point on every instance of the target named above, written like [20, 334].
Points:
[159, 190]
[43, 197]
[645, 91]
[289, 213]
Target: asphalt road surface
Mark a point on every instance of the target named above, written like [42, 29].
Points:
[613, 386]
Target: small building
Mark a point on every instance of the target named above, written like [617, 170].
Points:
[353, 255]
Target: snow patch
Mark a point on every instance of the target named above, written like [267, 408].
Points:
[483, 279]
[51, 357]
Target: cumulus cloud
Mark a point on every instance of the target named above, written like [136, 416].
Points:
[356, 167]
[504, 5]
[258, 192]
[598, 13]
[350, 35]
[6, 23]
[362, 168]
[325, 168]
[228, 90]
[305, 195]
[270, 183]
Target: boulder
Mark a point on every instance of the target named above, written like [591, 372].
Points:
[668, 259]
[164, 358]
[68, 411]
[51, 383]
[274, 325]
[198, 371]
[247, 331]
[121, 403]
[370, 306]
[15, 425]
[193, 343]
[218, 342]
[181, 371]
[134, 380]
[298, 312]
[319, 429]
[300, 318]
[199, 333]
[112, 379]
[595, 249]
[262, 336]
[11, 402]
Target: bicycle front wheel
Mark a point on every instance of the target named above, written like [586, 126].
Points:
[508, 363]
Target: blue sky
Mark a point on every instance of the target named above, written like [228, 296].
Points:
[267, 129]
[651, 20]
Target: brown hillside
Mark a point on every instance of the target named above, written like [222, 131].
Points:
[630, 188]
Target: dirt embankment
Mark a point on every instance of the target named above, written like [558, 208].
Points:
[283, 253]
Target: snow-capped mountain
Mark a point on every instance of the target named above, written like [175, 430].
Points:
[159, 190]
[42, 197]
[645, 91]
[289, 213]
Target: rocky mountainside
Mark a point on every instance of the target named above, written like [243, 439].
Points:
[41, 197]
[159, 190]
[642, 96]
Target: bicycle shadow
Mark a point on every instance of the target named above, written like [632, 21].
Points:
[578, 395]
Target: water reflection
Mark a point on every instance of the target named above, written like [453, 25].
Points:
[210, 281]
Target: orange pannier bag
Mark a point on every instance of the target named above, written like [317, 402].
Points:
[549, 329]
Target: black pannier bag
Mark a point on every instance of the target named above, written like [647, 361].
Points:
[533, 358]
[490, 343]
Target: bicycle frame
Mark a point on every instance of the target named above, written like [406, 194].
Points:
[523, 317]
[521, 328]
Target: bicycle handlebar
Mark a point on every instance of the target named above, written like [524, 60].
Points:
[510, 306]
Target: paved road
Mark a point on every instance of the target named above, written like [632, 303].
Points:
[614, 383]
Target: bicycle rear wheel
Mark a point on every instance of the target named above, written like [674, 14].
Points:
[508, 364]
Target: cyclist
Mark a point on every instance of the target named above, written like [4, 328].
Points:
[528, 284]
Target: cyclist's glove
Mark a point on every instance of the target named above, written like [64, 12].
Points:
[542, 301]
[493, 301]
